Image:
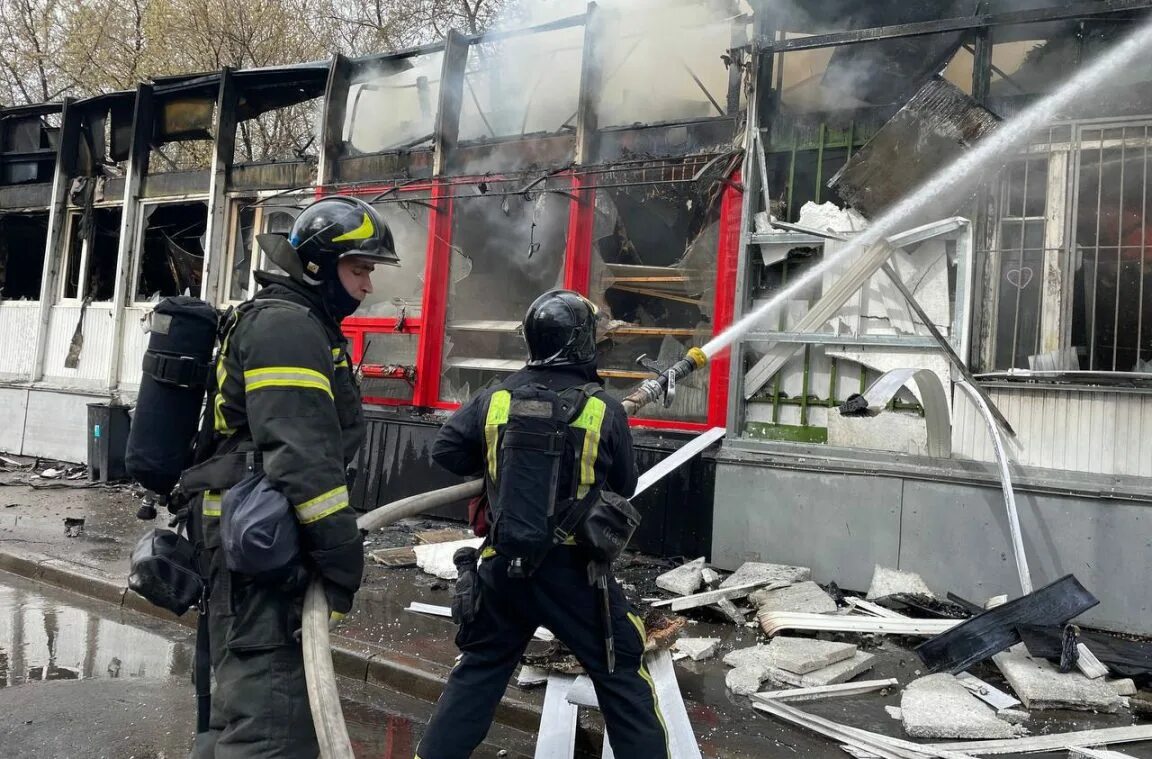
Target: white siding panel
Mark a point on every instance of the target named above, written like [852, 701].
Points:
[18, 325]
[1074, 430]
[134, 344]
[94, 356]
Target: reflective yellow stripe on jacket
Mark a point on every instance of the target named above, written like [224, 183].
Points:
[322, 505]
[498, 407]
[211, 503]
[286, 376]
[591, 419]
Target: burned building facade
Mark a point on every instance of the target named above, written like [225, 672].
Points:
[681, 163]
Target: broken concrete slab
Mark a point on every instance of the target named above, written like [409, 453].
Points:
[697, 649]
[938, 706]
[804, 655]
[735, 615]
[759, 655]
[1124, 687]
[1014, 716]
[710, 576]
[895, 712]
[744, 681]
[840, 672]
[1041, 686]
[806, 597]
[684, 580]
[436, 558]
[762, 573]
[889, 582]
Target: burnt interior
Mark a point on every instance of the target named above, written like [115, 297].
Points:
[172, 250]
[23, 238]
[93, 279]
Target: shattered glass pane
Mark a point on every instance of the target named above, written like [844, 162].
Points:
[171, 254]
[508, 249]
[398, 291]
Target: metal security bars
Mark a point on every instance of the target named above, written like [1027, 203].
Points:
[1067, 267]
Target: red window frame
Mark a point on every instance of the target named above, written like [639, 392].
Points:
[429, 328]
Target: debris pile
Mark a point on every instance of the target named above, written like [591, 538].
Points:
[817, 640]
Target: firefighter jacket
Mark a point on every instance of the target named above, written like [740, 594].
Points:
[467, 444]
[287, 389]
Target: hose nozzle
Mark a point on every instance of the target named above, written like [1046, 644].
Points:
[663, 385]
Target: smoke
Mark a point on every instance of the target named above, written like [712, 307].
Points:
[393, 106]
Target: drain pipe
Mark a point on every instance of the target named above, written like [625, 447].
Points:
[1005, 484]
[323, 697]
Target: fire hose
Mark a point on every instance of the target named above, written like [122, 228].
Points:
[323, 696]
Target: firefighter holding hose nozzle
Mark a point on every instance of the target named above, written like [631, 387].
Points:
[556, 455]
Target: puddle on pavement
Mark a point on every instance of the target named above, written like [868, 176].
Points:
[42, 639]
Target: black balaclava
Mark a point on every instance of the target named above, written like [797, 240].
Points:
[336, 297]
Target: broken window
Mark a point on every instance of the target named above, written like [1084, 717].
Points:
[507, 249]
[23, 237]
[654, 261]
[91, 254]
[522, 85]
[251, 217]
[171, 250]
[388, 362]
[398, 291]
[392, 104]
[664, 64]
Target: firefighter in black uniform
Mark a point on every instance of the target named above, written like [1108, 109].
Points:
[560, 330]
[288, 402]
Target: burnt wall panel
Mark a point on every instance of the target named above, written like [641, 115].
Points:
[396, 462]
[547, 152]
[26, 196]
[176, 183]
[666, 140]
[269, 176]
[416, 164]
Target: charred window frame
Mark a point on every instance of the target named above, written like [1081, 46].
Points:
[507, 247]
[170, 242]
[654, 268]
[91, 251]
[23, 239]
[250, 216]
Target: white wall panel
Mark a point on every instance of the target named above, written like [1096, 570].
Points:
[1095, 431]
[18, 324]
[94, 356]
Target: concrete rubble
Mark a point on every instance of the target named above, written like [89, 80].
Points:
[760, 573]
[697, 649]
[710, 576]
[805, 597]
[1124, 687]
[744, 681]
[819, 663]
[684, 580]
[1040, 685]
[889, 582]
[938, 706]
[804, 655]
[840, 672]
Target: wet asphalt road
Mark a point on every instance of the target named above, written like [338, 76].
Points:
[82, 680]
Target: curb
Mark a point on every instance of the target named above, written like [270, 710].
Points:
[351, 659]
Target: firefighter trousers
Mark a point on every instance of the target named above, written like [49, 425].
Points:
[260, 701]
[558, 597]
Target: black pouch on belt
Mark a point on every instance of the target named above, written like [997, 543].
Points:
[466, 597]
